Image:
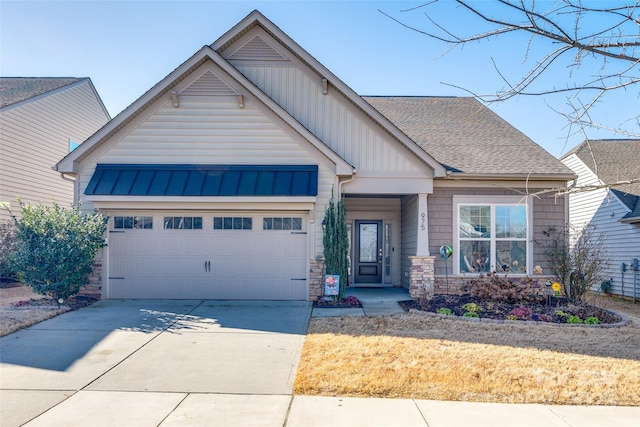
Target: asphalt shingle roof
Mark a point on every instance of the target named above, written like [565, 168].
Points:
[16, 89]
[614, 160]
[466, 136]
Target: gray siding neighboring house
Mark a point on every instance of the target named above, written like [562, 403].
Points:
[216, 180]
[39, 120]
[614, 211]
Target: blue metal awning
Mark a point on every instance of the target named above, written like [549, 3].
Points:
[203, 180]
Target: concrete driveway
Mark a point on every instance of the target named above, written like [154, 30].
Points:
[154, 362]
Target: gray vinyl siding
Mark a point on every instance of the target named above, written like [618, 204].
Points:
[408, 228]
[604, 210]
[35, 135]
[547, 211]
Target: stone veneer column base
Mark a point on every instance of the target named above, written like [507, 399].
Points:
[94, 288]
[422, 277]
[316, 281]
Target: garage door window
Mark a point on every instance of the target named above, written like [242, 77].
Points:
[277, 223]
[232, 223]
[183, 223]
[132, 222]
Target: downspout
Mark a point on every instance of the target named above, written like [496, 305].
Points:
[346, 181]
[72, 179]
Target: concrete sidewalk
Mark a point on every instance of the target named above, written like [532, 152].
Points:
[141, 409]
[375, 302]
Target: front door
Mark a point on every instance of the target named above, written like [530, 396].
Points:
[368, 252]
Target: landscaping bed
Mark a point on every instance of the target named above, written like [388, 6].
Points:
[330, 302]
[556, 311]
[20, 307]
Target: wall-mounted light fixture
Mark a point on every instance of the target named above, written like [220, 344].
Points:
[174, 99]
[240, 101]
[325, 86]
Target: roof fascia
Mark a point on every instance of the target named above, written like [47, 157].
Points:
[342, 167]
[68, 164]
[46, 94]
[95, 92]
[256, 18]
[510, 177]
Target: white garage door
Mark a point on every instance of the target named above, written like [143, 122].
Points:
[208, 256]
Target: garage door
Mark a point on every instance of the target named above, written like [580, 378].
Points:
[208, 256]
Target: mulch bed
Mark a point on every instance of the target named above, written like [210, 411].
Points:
[74, 303]
[329, 302]
[556, 312]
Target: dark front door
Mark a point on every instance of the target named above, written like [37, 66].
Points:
[368, 252]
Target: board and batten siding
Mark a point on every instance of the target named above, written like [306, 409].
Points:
[547, 211]
[332, 119]
[208, 130]
[604, 210]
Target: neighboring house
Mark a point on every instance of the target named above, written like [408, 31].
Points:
[41, 120]
[615, 210]
[216, 180]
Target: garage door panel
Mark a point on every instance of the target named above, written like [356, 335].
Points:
[208, 263]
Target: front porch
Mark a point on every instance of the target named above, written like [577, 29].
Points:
[388, 245]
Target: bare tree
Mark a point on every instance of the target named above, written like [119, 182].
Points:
[573, 33]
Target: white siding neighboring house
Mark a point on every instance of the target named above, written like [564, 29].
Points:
[40, 120]
[216, 180]
[614, 211]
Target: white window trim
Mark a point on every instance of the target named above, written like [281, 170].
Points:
[491, 201]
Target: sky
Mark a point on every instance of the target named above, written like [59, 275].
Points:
[126, 47]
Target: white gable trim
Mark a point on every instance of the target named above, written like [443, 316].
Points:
[70, 163]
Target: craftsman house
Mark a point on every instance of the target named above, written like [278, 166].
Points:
[41, 120]
[612, 169]
[216, 180]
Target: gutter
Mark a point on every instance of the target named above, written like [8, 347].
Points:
[510, 177]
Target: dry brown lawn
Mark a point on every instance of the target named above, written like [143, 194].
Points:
[13, 319]
[423, 357]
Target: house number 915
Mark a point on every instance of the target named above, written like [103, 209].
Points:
[422, 221]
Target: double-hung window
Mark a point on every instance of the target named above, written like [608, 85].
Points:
[491, 234]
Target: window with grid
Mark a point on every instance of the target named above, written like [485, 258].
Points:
[232, 223]
[492, 237]
[132, 222]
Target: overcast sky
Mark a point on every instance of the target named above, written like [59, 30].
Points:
[126, 47]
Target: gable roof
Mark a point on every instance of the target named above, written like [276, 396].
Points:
[467, 137]
[16, 89]
[163, 89]
[255, 18]
[614, 160]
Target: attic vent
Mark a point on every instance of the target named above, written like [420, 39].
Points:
[257, 50]
[208, 84]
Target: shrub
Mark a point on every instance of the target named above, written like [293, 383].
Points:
[56, 247]
[444, 310]
[500, 288]
[574, 320]
[592, 320]
[521, 313]
[577, 259]
[472, 307]
[541, 317]
[335, 240]
[470, 314]
[7, 247]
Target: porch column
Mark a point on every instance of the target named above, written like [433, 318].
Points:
[423, 227]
